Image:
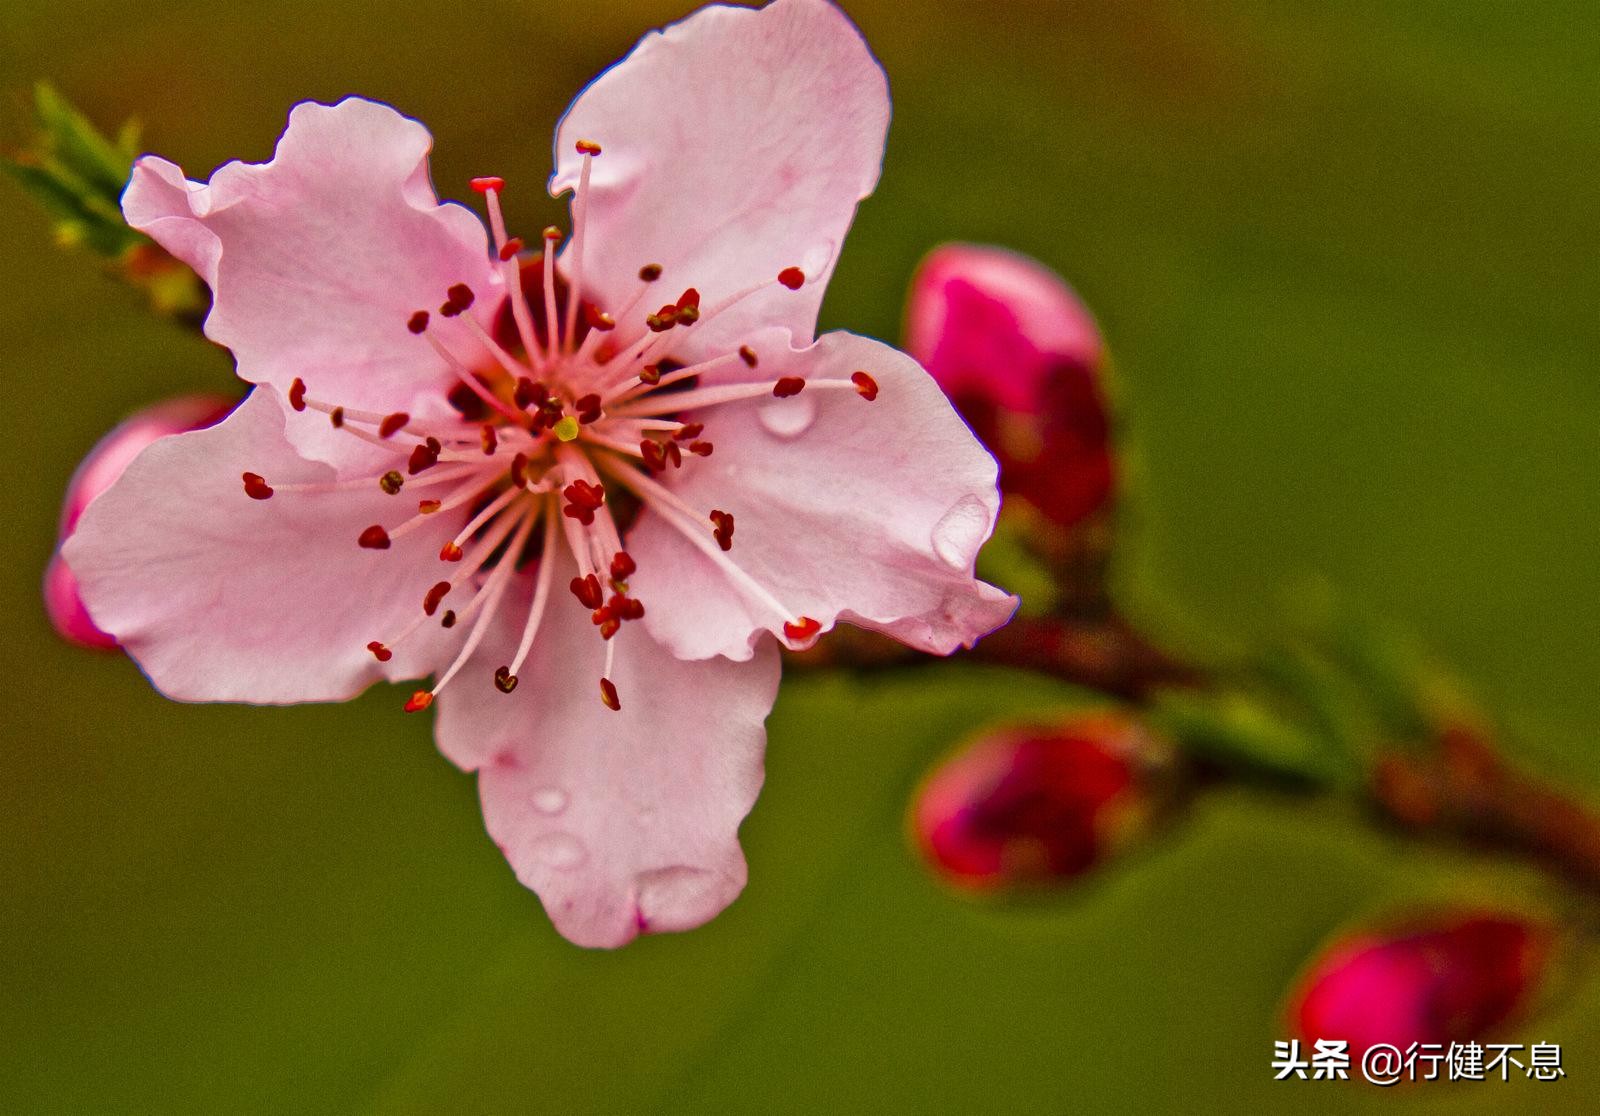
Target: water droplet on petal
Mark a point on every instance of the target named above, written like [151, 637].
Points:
[550, 800]
[559, 850]
[791, 417]
[960, 532]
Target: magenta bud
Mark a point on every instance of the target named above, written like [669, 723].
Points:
[1022, 360]
[1449, 977]
[96, 473]
[1031, 805]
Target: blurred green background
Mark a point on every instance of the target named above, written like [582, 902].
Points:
[1346, 255]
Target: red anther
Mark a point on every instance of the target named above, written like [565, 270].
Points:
[688, 298]
[792, 277]
[608, 694]
[504, 680]
[552, 233]
[803, 628]
[392, 482]
[374, 538]
[380, 652]
[787, 386]
[488, 439]
[448, 620]
[651, 452]
[609, 624]
[723, 522]
[510, 248]
[528, 393]
[622, 566]
[587, 408]
[418, 701]
[596, 318]
[488, 182]
[422, 457]
[748, 355]
[391, 424]
[866, 386]
[650, 374]
[587, 147]
[688, 315]
[663, 319]
[428, 507]
[584, 499]
[624, 607]
[587, 590]
[689, 431]
[418, 322]
[466, 402]
[430, 601]
[336, 416]
[673, 454]
[519, 470]
[450, 552]
[435, 447]
[650, 272]
[297, 394]
[458, 298]
[700, 449]
[256, 487]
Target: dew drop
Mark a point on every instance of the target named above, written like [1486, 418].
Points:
[791, 417]
[559, 850]
[960, 532]
[550, 800]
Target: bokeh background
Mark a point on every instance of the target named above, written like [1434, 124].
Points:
[1346, 256]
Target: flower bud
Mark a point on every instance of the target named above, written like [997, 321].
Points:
[1030, 805]
[1022, 360]
[1449, 978]
[97, 472]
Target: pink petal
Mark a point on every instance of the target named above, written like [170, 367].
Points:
[869, 512]
[98, 471]
[735, 144]
[623, 821]
[317, 258]
[220, 597]
[996, 324]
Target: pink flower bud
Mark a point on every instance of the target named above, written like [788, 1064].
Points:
[1450, 978]
[1021, 359]
[97, 472]
[1029, 805]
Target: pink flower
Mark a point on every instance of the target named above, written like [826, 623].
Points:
[1038, 804]
[1450, 978]
[103, 465]
[1022, 360]
[592, 513]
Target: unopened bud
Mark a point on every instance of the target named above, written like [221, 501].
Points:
[1030, 805]
[1449, 977]
[96, 473]
[1022, 360]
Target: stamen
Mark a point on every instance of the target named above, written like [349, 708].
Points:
[552, 236]
[650, 272]
[541, 595]
[464, 374]
[256, 487]
[748, 355]
[418, 701]
[865, 385]
[512, 270]
[801, 629]
[418, 322]
[430, 601]
[374, 538]
[723, 522]
[580, 220]
[380, 652]
[488, 598]
[787, 386]
[297, 394]
[392, 423]
[792, 277]
[608, 694]
[647, 406]
[391, 482]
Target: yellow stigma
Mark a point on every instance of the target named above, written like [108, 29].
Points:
[566, 429]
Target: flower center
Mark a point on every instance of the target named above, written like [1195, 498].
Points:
[561, 419]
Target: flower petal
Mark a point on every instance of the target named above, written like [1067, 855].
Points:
[996, 324]
[735, 144]
[870, 512]
[317, 258]
[623, 821]
[220, 597]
